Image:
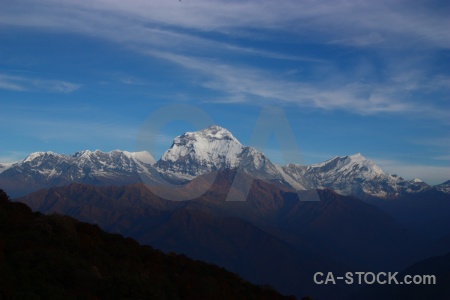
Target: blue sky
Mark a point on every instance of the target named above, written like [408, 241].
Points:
[370, 77]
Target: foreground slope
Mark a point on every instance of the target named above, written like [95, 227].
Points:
[57, 257]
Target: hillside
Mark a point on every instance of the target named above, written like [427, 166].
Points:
[58, 257]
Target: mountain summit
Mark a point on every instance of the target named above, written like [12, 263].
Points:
[200, 152]
[211, 149]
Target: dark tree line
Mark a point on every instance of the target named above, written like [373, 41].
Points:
[57, 257]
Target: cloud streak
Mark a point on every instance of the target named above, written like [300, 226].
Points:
[20, 83]
[176, 31]
[386, 22]
[247, 84]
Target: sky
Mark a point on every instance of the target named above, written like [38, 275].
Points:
[369, 77]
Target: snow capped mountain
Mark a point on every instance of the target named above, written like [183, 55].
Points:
[336, 171]
[46, 169]
[115, 161]
[197, 153]
[443, 187]
[86, 163]
[258, 165]
[350, 175]
[211, 149]
[215, 148]
[204, 151]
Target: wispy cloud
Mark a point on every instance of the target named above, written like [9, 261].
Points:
[361, 41]
[20, 83]
[176, 31]
[6, 84]
[245, 84]
[387, 22]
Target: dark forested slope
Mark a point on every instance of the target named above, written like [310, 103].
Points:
[58, 257]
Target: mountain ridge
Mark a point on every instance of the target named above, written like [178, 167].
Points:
[196, 153]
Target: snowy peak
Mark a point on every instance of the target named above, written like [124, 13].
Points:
[208, 143]
[141, 156]
[47, 169]
[84, 163]
[40, 156]
[357, 156]
[210, 134]
[214, 132]
[443, 187]
[349, 159]
[200, 152]
[348, 164]
[113, 157]
[350, 175]
[213, 148]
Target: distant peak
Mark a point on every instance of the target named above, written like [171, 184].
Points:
[213, 132]
[215, 129]
[344, 159]
[35, 155]
[357, 157]
[82, 153]
[142, 156]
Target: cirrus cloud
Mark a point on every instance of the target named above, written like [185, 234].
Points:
[21, 83]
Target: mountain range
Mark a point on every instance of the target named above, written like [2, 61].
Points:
[366, 219]
[197, 153]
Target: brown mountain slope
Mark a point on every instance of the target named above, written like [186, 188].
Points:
[56, 257]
